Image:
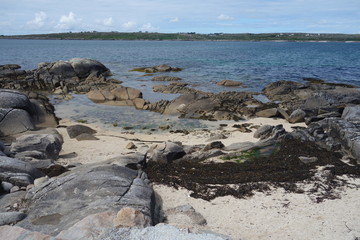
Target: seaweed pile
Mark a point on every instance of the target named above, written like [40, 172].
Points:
[281, 169]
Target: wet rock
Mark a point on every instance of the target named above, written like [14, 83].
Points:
[174, 88]
[229, 83]
[84, 191]
[165, 152]
[297, 116]
[76, 130]
[7, 218]
[165, 78]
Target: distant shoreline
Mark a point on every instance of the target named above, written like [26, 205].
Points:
[145, 36]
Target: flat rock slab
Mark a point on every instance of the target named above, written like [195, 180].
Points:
[59, 203]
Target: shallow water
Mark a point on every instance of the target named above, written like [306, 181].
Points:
[256, 64]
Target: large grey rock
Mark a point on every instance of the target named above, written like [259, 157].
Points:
[47, 144]
[84, 67]
[165, 152]
[63, 68]
[158, 232]
[14, 121]
[14, 99]
[11, 217]
[18, 172]
[60, 202]
[351, 113]
[76, 130]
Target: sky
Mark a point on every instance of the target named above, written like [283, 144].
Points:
[172, 16]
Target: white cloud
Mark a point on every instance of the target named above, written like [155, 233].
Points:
[224, 17]
[68, 22]
[39, 19]
[129, 25]
[174, 20]
[106, 22]
[148, 27]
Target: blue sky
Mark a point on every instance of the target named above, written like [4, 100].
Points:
[201, 16]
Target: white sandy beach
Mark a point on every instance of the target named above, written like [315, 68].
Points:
[273, 215]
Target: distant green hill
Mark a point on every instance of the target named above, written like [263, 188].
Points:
[191, 36]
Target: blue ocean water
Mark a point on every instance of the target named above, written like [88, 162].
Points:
[253, 63]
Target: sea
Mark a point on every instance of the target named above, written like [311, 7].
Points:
[204, 63]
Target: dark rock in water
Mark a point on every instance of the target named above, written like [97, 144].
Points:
[160, 68]
[297, 116]
[7, 218]
[166, 152]
[76, 130]
[84, 191]
[229, 83]
[16, 172]
[84, 67]
[174, 88]
[165, 78]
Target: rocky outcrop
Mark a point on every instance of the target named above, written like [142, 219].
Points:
[335, 134]
[309, 101]
[120, 96]
[76, 74]
[174, 87]
[221, 106]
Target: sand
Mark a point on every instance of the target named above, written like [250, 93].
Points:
[272, 215]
